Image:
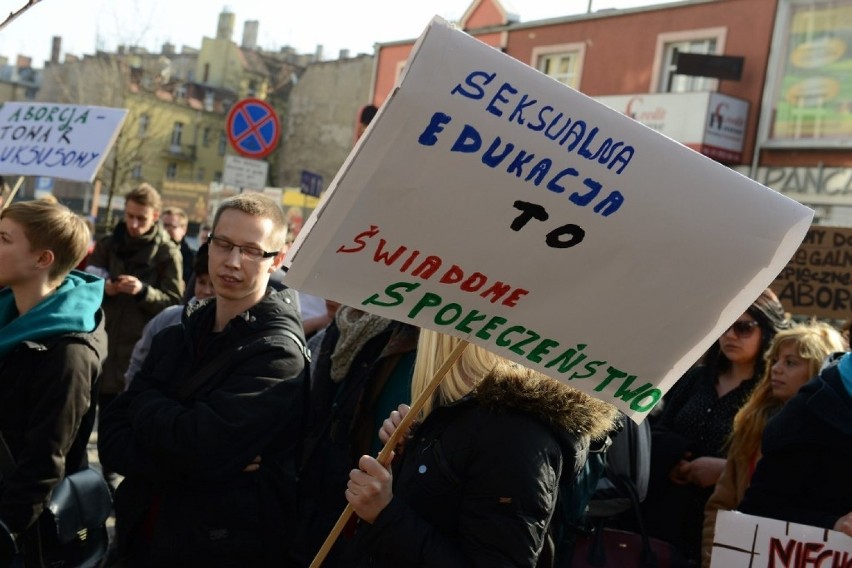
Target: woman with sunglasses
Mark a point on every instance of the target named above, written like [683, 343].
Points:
[688, 444]
[795, 356]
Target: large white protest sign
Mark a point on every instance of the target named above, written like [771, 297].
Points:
[56, 140]
[757, 542]
[493, 203]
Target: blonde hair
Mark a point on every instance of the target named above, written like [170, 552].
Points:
[814, 342]
[53, 227]
[474, 364]
[257, 205]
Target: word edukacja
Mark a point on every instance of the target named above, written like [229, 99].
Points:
[574, 135]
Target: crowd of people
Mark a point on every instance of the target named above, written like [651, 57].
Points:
[243, 427]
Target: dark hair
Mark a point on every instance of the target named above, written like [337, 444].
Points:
[145, 195]
[199, 265]
[367, 114]
[769, 314]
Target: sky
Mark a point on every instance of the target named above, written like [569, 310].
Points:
[87, 25]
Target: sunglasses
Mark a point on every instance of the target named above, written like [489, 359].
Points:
[743, 329]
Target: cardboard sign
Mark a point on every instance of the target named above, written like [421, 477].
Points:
[746, 540]
[493, 203]
[818, 279]
[55, 140]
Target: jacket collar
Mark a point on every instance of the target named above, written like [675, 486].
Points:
[563, 407]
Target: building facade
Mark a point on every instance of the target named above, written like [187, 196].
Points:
[174, 136]
[773, 100]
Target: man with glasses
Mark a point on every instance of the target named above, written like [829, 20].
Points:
[206, 433]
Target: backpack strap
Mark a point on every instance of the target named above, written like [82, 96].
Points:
[7, 460]
[223, 360]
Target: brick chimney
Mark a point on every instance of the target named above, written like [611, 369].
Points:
[55, 49]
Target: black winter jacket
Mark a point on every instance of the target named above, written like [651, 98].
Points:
[340, 427]
[47, 388]
[155, 260]
[477, 484]
[804, 474]
[185, 499]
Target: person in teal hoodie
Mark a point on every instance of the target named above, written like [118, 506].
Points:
[52, 349]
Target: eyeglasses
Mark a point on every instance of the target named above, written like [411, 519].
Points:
[218, 244]
[742, 329]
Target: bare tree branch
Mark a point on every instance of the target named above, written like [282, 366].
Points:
[13, 15]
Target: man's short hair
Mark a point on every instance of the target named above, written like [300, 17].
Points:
[51, 226]
[146, 196]
[258, 205]
[176, 212]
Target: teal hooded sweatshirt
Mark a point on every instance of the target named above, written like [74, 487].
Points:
[70, 309]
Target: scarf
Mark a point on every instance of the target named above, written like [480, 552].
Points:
[356, 329]
[845, 368]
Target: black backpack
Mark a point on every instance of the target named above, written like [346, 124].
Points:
[614, 476]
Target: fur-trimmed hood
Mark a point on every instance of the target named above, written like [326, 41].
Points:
[563, 407]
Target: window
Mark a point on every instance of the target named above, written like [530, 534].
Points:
[223, 143]
[199, 174]
[217, 177]
[205, 137]
[708, 42]
[209, 99]
[144, 122]
[562, 62]
[171, 170]
[136, 172]
[177, 133]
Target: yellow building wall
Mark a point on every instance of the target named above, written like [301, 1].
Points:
[195, 161]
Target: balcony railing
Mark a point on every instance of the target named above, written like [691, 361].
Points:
[182, 152]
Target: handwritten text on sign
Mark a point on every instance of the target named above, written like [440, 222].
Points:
[490, 202]
[54, 140]
[496, 331]
[818, 279]
[747, 540]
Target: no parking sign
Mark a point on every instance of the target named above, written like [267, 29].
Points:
[253, 128]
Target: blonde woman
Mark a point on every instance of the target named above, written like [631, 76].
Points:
[794, 357]
[477, 481]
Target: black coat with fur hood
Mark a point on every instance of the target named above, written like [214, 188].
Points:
[477, 483]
